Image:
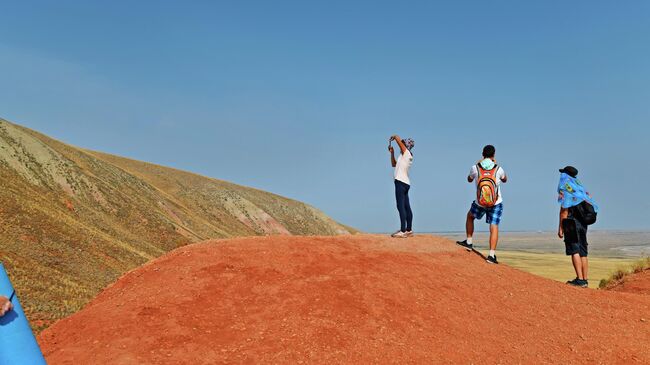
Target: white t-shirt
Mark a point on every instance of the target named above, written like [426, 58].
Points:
[404, 162]
[473, 173]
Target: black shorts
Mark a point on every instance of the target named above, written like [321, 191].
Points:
[575, 237]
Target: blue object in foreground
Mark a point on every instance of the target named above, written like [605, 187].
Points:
[18, 345]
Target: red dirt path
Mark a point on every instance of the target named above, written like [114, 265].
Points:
[354, 300]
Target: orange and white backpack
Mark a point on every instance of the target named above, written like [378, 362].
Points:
[487, 190]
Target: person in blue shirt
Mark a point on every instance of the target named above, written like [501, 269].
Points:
[571, 228]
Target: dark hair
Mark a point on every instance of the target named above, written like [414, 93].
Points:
[489, 151]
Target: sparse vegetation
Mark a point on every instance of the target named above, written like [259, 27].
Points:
[620, 274]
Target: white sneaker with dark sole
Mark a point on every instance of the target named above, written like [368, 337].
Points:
[468, 246]
[492, 260]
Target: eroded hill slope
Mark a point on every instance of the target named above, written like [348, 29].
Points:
[72, 220]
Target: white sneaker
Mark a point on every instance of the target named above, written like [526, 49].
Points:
[409, 233]
[399, 234]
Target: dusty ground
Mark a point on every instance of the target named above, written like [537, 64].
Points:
[356, 300]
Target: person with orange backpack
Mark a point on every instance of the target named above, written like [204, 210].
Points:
[489, 202]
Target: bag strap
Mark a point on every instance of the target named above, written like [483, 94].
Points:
[496, 170]
[11, 298]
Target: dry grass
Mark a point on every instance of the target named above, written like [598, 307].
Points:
[621, 273]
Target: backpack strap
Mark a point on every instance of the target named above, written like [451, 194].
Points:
[496, 178]
[479, 170]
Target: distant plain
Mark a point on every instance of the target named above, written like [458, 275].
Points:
[542, 253]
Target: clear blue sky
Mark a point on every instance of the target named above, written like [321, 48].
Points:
[300, 97]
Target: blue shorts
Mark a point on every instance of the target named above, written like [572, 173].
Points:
[492, 215]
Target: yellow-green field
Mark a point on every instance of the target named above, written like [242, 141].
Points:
[558, 267]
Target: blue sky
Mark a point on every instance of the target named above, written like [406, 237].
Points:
[300, 97]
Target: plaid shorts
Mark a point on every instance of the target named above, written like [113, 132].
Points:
[492, 215]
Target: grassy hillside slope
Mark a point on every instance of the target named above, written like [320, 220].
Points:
[72, 220]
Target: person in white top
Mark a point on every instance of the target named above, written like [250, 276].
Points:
[489, 200]
[402, 183]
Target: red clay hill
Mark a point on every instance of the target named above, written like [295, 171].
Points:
[351, 300]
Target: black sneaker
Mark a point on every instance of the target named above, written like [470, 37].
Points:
[579, 283]
[464, 243]
[492, 260]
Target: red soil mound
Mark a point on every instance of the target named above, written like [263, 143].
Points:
[357, 300]
[638, 283]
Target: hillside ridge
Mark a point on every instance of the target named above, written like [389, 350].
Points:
[73, 220]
